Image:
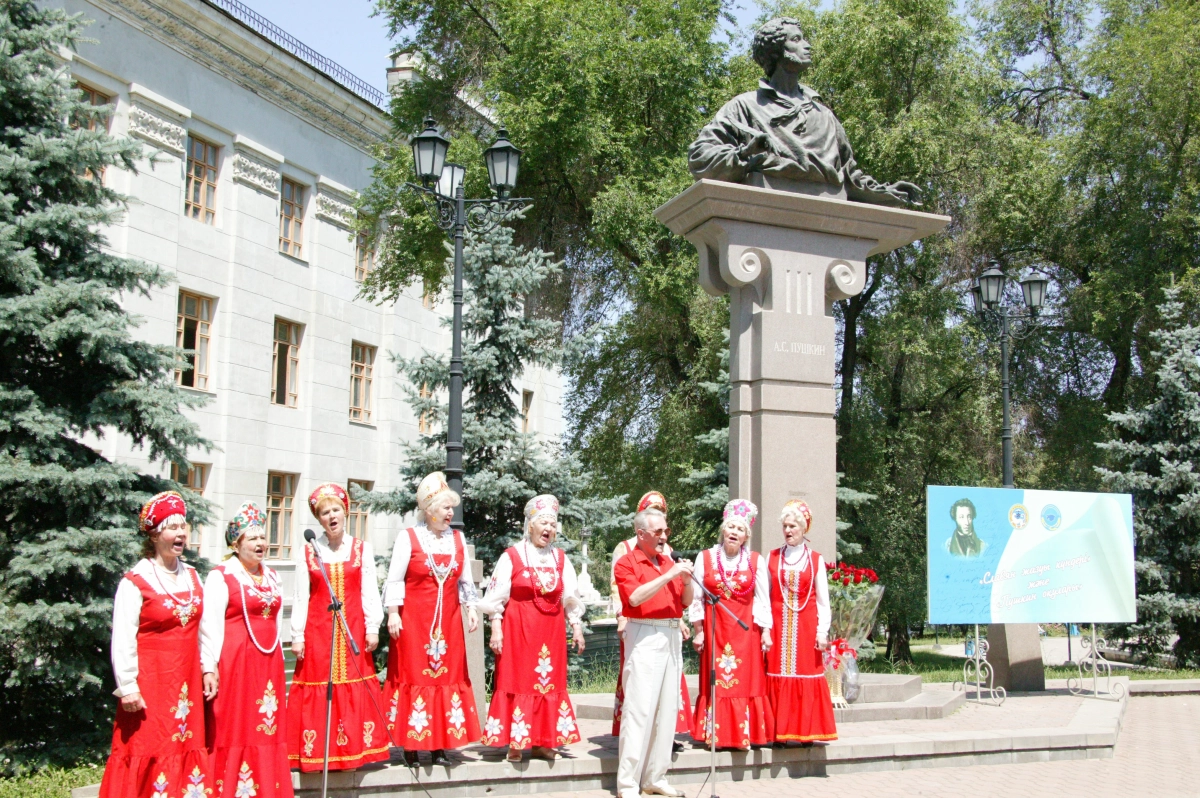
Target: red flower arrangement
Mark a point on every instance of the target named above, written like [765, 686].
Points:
[849, 574]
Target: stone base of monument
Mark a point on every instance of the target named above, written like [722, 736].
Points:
[1036, 727]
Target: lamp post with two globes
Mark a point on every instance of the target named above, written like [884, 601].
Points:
[441, 188]
[1009, 322]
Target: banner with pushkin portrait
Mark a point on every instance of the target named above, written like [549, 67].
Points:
[1000, 555]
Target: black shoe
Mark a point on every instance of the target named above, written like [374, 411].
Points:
[410, 758]
[676, 747]
[439, 757]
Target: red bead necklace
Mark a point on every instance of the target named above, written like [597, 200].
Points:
[731, 588]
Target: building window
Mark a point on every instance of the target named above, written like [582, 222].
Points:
[200, 201]
[425, 420]
[92, 97]
[356, 519]
[193, 326]
[286, 363]
[526, 410]
[281, 494]
[364, 258]
[193, 478]
[362, 363]
[291, 219]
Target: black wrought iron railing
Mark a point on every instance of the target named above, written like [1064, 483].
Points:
[281, 38]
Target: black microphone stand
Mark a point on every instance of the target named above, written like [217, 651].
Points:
[339, 619]
[713, 600]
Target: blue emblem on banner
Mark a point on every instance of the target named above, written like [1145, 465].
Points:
[1051, 517]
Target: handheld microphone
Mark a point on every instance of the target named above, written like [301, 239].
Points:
[676, 556]
[310, 536]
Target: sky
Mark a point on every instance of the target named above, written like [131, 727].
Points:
[344, 31]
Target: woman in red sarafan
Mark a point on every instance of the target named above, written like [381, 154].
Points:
[357, 736]
[683, 722]
[531, 597]
[158, 738]
[242, 659]
[800, 609]
[427, 697]
[739, 577]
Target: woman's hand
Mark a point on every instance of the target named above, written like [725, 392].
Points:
[767, 642]
[685, 630]
[472, 619]
[372, 642]
[577, 637]
[298, 648]
[133, 702]
[822, 642]
[394, 624]
[497, 641]
[210, 686]
[698, 638]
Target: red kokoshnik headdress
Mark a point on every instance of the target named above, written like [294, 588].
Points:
[330, 490]
[797, 507]
[159, 509]
[653, 500]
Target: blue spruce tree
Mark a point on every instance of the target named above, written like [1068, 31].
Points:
[69, 369]
[1158, 447]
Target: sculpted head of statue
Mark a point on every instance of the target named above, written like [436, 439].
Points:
[781, 42]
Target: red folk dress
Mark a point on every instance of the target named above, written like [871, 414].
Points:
[795, 670]
[427, 665]
[683, 721]
[159, 752]
[247, 742]
[356, 736]
[743, 716]
[530, 705]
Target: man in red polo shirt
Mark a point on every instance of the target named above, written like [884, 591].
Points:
[653, 593]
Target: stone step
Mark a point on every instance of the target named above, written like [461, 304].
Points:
[932, 704]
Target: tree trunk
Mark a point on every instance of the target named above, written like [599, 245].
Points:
[852, 309]
[898, 646]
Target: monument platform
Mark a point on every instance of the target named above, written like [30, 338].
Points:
[1052, 725]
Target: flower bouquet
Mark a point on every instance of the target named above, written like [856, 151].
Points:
[854, 596]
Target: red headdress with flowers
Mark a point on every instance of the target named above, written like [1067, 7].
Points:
[330, 490]
[159, 509]
[653, 500]
[742, 510]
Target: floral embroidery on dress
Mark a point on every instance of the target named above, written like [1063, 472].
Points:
[708, 725]
[368, 732]
[727, 663]
[436, 649]
[342, 739]
[746, 729]
[543, 670]
[310, 739]
[183, 708]
[393, 710]
[566, 725]
[456, 717]
[195, 787]
[160, 786]
[268, 705]
[518, 732]
[491, 731]
[418, 720]
[246, 788]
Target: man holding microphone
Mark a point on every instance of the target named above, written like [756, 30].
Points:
[653, 592]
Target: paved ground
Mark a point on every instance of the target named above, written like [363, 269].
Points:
[1158, 755]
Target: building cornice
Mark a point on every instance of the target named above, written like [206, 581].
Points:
[211, 38]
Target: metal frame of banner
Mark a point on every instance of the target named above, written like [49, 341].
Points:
[976, 670]
[1100, 669]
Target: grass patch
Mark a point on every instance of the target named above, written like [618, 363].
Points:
[933, 667]
[50, 782]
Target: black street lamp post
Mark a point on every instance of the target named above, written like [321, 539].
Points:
[1008, 322]
[441, 188]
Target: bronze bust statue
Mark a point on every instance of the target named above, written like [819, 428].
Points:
[783, 136]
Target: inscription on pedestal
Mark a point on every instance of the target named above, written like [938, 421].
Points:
[798, 348]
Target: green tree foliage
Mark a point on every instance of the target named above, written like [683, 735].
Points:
[70, 371]
[1158, 446]
[504, 467]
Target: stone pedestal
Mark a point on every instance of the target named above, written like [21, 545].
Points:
[784, 257]
[1015, 652]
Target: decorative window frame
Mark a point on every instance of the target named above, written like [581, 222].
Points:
[334, 203]
[158, 121]
[256, 166]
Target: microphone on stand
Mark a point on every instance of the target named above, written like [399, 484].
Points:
[311, 537]
[712, 599]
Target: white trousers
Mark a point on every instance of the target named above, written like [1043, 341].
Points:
[653, 662]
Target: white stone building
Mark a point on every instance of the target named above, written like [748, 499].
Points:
[258, 147]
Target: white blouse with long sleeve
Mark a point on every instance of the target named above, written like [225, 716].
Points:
[800, 555]
[371, 605]
[433, 543]
[127, 615]
[760, 609]
[216, 600]
[500, 587]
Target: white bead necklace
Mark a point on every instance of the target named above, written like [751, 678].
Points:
[272, 592]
